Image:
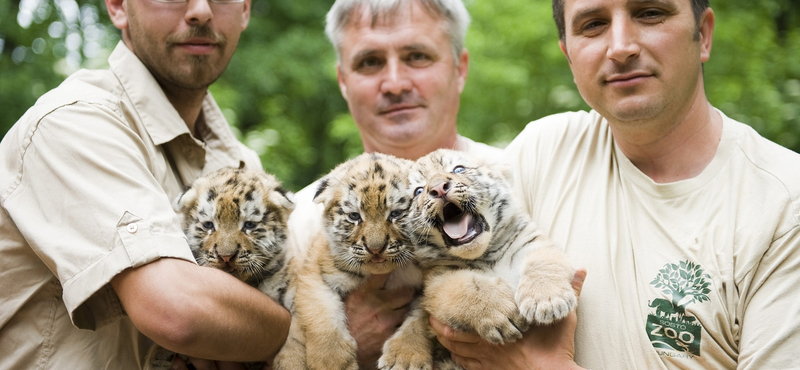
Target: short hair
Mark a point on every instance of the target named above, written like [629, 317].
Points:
[344, 12]
[698, 7]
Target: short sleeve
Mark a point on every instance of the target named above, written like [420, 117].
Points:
[770, 307]
[89, 206]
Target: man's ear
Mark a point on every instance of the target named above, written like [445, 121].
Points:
[118, 13]
[462, 69]
[340, 78]
[245, 15]
[705, 30]
[563, 47]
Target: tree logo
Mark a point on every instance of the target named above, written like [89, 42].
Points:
[668, 325]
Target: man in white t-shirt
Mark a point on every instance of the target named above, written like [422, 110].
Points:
[686, 220]
[401, 67]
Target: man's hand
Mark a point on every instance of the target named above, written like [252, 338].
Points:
[373, 315]
[541, 347]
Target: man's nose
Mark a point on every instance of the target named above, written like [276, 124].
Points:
[198, 12]
[623, 39]
[396, 79]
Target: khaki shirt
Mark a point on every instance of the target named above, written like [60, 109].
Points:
[87, 177]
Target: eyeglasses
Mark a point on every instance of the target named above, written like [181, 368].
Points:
[213, 1]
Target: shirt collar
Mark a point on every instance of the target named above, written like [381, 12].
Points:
[162, 121]
[159, 117]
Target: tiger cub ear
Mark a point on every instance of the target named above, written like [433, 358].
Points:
[185, 200]
[282, 198]
[324, 191]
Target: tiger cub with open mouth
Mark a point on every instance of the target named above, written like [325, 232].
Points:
[487, 268]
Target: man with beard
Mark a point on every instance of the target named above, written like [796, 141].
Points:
[92, 259]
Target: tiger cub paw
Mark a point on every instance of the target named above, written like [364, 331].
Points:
[545, 294]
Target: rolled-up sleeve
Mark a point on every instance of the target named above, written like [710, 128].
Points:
[87, 201]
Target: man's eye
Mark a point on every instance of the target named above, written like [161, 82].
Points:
[208, 225]
[370, 63]
[418, 59]
[592, 27]
[354, 217]
[249, 225]
[652, 15]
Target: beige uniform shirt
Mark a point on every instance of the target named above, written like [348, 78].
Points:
[306, 219]
[87, 177]
[695, 274]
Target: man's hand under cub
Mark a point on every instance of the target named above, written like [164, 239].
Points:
[541, 347]
[373, 315]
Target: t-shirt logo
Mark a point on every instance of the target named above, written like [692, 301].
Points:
[668, 325]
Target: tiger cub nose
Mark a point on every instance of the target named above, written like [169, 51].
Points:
[439, 190]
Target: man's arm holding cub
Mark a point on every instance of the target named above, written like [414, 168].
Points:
[201, 312]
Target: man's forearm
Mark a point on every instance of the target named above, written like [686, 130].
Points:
[202, 312]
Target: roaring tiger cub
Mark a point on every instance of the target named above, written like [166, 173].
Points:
[487, 268]
[365, 199]
[235, 221]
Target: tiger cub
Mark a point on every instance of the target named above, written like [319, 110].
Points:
[235, 221]
[487, 268]
[365, 199]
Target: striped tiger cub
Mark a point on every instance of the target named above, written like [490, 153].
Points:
[487, 268]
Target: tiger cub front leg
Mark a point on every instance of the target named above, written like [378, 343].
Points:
[469, 300]
[411, 347]
[545, 292]
[329, 344]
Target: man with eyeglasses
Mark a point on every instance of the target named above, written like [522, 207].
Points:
[92, 259]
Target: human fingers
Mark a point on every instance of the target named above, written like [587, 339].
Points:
[446, 332]
[466, 362]
[178, 364]
[374, 282]
[226, 365]
[578, 279]
[396, 298]
[202, 364]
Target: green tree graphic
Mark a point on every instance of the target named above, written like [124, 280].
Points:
[685, 282]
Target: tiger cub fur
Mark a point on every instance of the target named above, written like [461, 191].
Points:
[235, 221]
[365, 200]
[487, 268]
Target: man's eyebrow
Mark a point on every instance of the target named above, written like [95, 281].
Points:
[365, 53]
[591, 11]
[415, 47]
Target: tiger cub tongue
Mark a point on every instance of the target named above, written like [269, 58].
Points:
[456, 228]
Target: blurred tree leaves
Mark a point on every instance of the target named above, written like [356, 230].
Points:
[280, 91]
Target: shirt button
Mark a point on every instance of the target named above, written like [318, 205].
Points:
[133, 227]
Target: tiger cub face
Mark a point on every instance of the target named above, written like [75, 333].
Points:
[458, 203]
[235, 220]
[365, 199]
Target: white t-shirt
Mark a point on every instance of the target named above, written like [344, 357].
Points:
[699, 273]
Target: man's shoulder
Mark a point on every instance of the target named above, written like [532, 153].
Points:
[93, 87]
[768, 158]
[563, 132]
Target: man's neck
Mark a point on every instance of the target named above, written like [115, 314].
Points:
[414, 152]
[188, 103]
[676, 148]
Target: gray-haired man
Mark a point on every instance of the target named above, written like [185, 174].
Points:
[401, 66]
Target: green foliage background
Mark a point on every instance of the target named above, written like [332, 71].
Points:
[281, 96]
